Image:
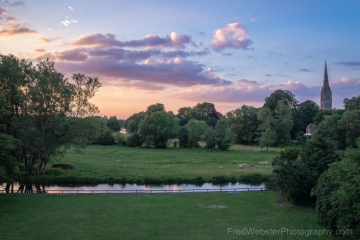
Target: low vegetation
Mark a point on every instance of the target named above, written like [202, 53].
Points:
[146, 165]
[145, 216]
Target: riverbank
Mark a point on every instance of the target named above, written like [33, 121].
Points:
[99, 164]
[170, 216]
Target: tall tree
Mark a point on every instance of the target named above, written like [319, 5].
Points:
[114, 124]
[157, 128]
[286, 96]
[43, 109]
[196, 129]
[244, 123]
[352, 104]
[350, 124]
[223, 135]
[155, 108]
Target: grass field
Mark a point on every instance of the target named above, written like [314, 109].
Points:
[144, 165]
[159, 216]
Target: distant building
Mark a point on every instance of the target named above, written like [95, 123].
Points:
[309, 130]
[326, 95]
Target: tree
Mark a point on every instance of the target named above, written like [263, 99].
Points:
[43, 109]
[156, 129]
[350, 124]
[132, 123]
[330, 128]
[286, 96]
[352, 104]
[223, 135]
[183, 135]
[283, 122]
[155, 108]
[114, 124]
[196, 129]
[268, 135]
[293, 177]
[184, 115]
[304, 115]
[322, 113]
[210, 138]
[338, 195]
[244, 124]
[268, 138]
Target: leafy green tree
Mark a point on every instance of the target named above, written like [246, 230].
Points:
[283, 122]
[184, 114]
[155, 108]
[322, 113]
[132, 123]
[196, 129]
[352, 104]
[338, 195]
[44, 108]
[330, 128]
[268, 135]
[157, 128]
[303, 115]
[114, 124]
[223, 135]
[183, 135]
[286, 96]
[244, 124]
[210, 138]
[268, 138]
[133, 140]
[293, 177]
[350, 124]
[120, 138]
[106, 137]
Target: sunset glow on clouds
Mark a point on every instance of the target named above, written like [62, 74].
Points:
[183, 53]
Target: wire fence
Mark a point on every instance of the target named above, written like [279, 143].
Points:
[152, 191]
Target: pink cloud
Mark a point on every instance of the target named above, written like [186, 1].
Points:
[109, 40]
[231, 36]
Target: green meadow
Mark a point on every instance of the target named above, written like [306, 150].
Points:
[156, 216]
[173, 165]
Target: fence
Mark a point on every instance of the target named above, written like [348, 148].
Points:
[61, 192]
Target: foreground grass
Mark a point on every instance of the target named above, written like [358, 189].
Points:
[171, 216]
[144, 165]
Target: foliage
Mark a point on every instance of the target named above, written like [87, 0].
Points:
[210, 138]
[223, 135]
[293, 177]
[183, 135]
[157, 128]
[352, 104]
[155, 108]
[338, 195]
[114, 124]
[106, 137]
[196, 129]
[330, 128]
[120, 138]
[287, 97]
[133, 140]
[283, 122]
[350, 125]
[303, 115]
[132, 123]
[244, 124]
[43, 109]
[322, 113]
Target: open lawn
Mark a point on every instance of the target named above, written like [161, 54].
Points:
[144, 165]
[145, 216]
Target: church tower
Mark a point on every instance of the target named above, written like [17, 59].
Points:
[326, 96]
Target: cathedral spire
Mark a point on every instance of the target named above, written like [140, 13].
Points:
[326, 79]
[326, 95]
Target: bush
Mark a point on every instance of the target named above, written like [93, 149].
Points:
[338, 195]
[133, 140]
[106, 138]
[64, 166]
[120, 138]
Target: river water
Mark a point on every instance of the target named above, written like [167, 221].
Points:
[126, 188]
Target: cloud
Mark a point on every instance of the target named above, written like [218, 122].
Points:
[18, 3]
[16, 31]
[349, 64]
[304, 70]
[253, 19]
[176, 72]
[71, 8]
[109, 40]
[43, 39]
[3, 11]
[80, 54]
[246, 91]
[231, 36]
[227, 54]
[39, 50]
[67, 22]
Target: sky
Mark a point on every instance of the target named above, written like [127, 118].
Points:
[180, 53]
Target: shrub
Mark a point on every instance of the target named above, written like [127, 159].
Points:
[64, 166]
[133, 140]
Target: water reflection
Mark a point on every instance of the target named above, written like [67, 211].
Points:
[16, 187]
